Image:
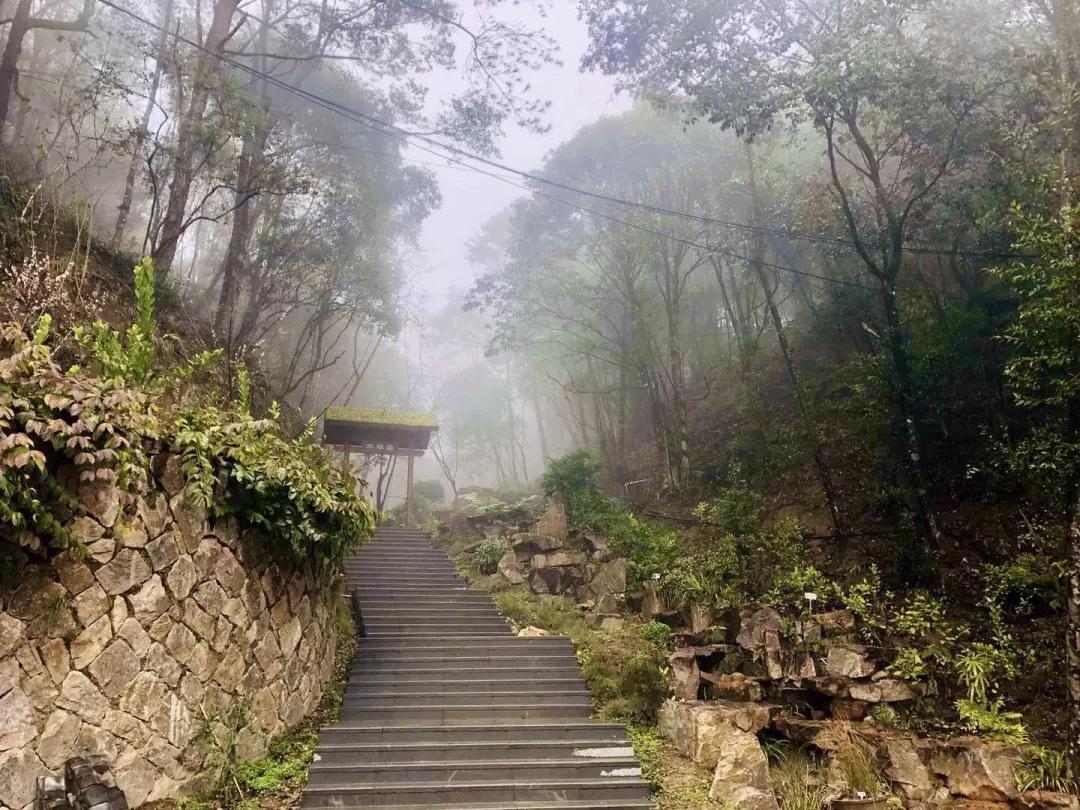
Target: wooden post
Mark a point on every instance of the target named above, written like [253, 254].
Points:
[408, 494]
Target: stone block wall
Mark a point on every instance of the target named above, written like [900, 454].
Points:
[168, 646]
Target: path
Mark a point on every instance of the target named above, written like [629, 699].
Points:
[446, 707]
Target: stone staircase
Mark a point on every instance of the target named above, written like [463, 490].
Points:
[446, 707]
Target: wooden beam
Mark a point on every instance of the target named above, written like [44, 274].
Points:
[408, 494]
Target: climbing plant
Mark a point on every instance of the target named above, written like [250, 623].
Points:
[101, 420]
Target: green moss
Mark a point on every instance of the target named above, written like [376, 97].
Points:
[368, 416]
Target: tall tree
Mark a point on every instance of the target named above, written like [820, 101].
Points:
[892, 87]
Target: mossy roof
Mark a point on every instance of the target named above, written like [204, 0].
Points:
[368, 416]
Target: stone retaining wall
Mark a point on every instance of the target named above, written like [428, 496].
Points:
[168, 645]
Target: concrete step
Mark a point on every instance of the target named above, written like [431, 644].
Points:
[371, 596]
[445, 667]
[479, 610]
[324, 774]
[468, 657]
[469, 793]
[470, 662]
[434, 624]
[419, 645]
[597, 749]
[362, 698]
[369, 684]
[463, 715]
[474, 733]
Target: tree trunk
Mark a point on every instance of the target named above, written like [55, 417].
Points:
[904, 390]
[207, 66]
[9, 60]
[124, 209]
[801, 403]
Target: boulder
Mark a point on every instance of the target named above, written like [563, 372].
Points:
[551, 580]
[699, 618]
[792, 665]
[101, 501]
[609, 579]
[552, 521]
[686, 674]
[698, 727]
[884, 690]
[19, 771]
[1046, 800]
[849, 661]
[905, 769]
[126, 570]
[733, 686]
[741, 778]
[558, 559]
[510, 569]
[652, 601]
[835, 622]
[977, 769]
[760, 630]
[18, 725]
[849, 709]
[12, 632]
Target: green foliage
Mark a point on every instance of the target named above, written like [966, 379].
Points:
[1044, 769]
[52, 419]
[649, 547]
[656, 633]
[432, 490]
[575, 478]
[626, 672]
[306, 504]
[989, 719]
[485, 557]
[130, 357]
[103, 419]
[744, 562]
[648, 748]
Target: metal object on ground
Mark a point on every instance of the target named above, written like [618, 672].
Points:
[51, 794]
[90, 786]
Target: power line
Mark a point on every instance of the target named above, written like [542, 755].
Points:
[462, 154]
[459, 155]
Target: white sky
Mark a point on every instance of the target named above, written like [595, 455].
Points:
[470, 199]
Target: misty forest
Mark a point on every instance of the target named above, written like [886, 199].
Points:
[750, 328]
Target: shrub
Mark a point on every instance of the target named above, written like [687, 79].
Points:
[306, 504]
[575, 478]
[656, 633]
[485, 557]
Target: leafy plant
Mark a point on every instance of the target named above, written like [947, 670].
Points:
[306, 504]
[52, 419]
[130, 357]
[648, 747]
[656, 633]
[485, 557]
[1044, 769]
[990, 720]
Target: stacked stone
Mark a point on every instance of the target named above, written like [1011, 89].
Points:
[166, 644]
[548, 561]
